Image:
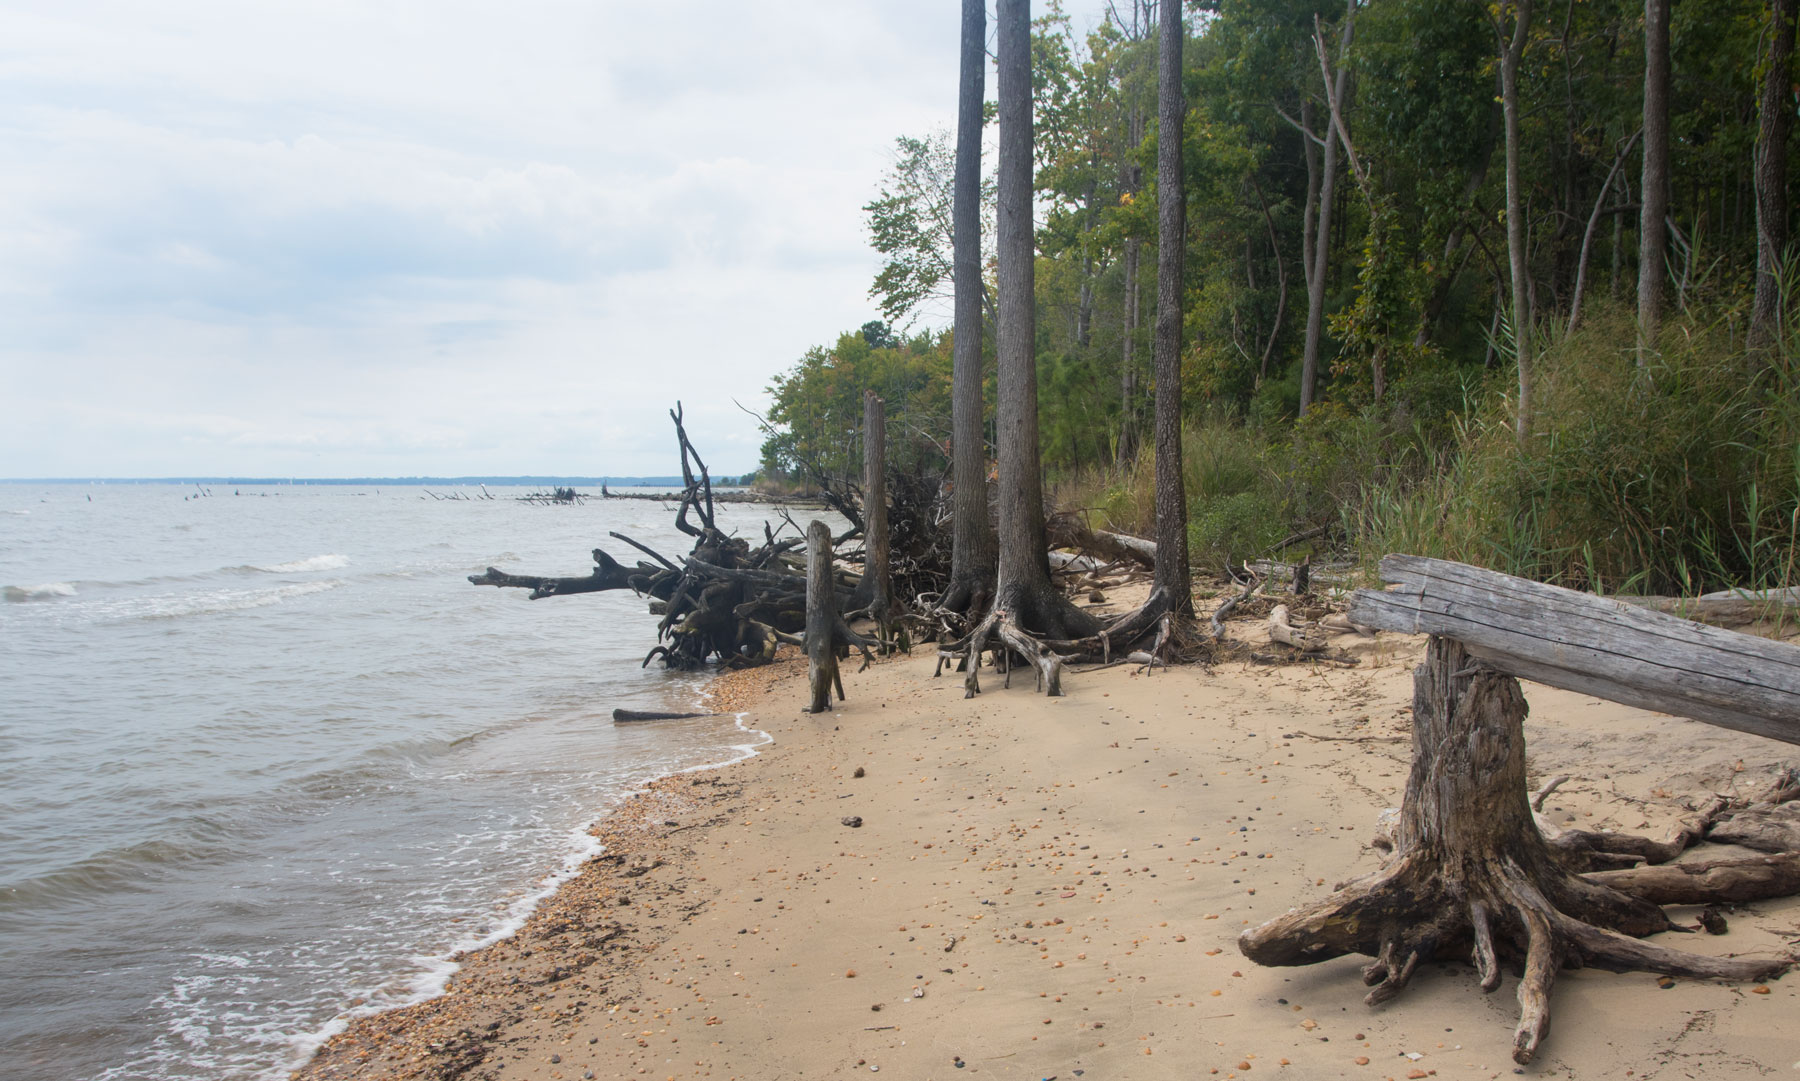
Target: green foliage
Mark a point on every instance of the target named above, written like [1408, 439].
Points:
[1679, 477]
[816, 410]
[910, 225]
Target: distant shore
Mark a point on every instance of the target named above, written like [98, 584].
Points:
[1053, 887]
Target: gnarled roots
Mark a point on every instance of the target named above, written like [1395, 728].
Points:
[1471, 876]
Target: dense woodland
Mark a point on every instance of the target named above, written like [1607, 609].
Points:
[1523, 304]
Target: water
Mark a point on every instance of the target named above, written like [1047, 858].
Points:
[267, 758]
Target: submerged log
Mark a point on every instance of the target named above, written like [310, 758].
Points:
[623, 716]
[1593, 645]
[1471, 876]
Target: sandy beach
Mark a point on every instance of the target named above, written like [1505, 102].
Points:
[1052, 888]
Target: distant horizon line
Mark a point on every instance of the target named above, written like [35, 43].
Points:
[515, 479]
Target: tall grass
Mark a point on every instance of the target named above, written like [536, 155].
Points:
[1678, 475]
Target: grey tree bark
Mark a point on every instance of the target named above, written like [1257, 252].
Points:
[1512, 51]
[1024, 593]
[1771, 178]
[875, 591]
[972, 539]
[1321, 246]
[821, 620]
[1652, 230]
[1131, 179]
[1172, 572]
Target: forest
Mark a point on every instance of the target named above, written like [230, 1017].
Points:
[1503, 282]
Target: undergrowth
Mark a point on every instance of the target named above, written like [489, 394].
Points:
[1676, 475]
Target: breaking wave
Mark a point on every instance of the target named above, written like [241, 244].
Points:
[47, 591]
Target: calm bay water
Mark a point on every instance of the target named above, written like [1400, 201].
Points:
[266, 757]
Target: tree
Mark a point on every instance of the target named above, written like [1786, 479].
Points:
[1023, 594]
[1172, 573]
[972, 543]
[1512, 49]
[910, 225]
[1652, 228]
[1321, 246]
[1771, 175]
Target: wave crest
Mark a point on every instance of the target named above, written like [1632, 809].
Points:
[47, 591]
[329, 562]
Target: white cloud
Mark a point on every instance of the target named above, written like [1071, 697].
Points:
[406, 237]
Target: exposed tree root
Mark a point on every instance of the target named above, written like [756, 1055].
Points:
[1471, 875]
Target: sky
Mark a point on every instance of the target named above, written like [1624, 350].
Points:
[436, 237]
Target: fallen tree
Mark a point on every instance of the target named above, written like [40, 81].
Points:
[725, 601]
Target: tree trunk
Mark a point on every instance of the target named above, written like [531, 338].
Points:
[1512, 52]
[1024, 593]
[1321, 252]
[875, 591]
[1652, 231]
[1587, 236]
[1128, 433]
[1771, 180]
[1471, 875]
[972, 539]
[1131, 179]
[821, 619]
[1172, 572]
[1309, 233]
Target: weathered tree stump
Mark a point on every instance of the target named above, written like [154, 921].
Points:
[821, 619]
[1470, 874]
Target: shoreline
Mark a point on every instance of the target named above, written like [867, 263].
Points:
[1045, 886]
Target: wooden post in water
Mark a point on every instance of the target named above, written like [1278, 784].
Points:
[821, 618]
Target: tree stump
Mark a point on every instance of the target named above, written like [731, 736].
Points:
[821, 619]
[1471, 876]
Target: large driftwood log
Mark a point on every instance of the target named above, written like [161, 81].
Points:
[608, 574]
[1069, 531]
[1470, 874]
[1593, 645]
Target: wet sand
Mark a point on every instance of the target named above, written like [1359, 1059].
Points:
[1053, 887]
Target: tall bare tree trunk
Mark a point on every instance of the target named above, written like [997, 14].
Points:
[972, 542]
[1128, 375]
[1513, 50]
[1321, 252]
[1172, 572]
[1131, 180]
[1024, 591]
[1652, 232]
[1771, 178]
[875, 592]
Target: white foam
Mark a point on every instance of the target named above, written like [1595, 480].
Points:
[329, 562]
[38, 593]
[437, 970]
[174, 606]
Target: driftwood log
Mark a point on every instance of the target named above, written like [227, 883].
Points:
[1471, 875]
[1593, 645]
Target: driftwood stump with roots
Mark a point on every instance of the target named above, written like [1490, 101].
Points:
[1472, 876]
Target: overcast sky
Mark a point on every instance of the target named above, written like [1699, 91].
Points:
[393, 237]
